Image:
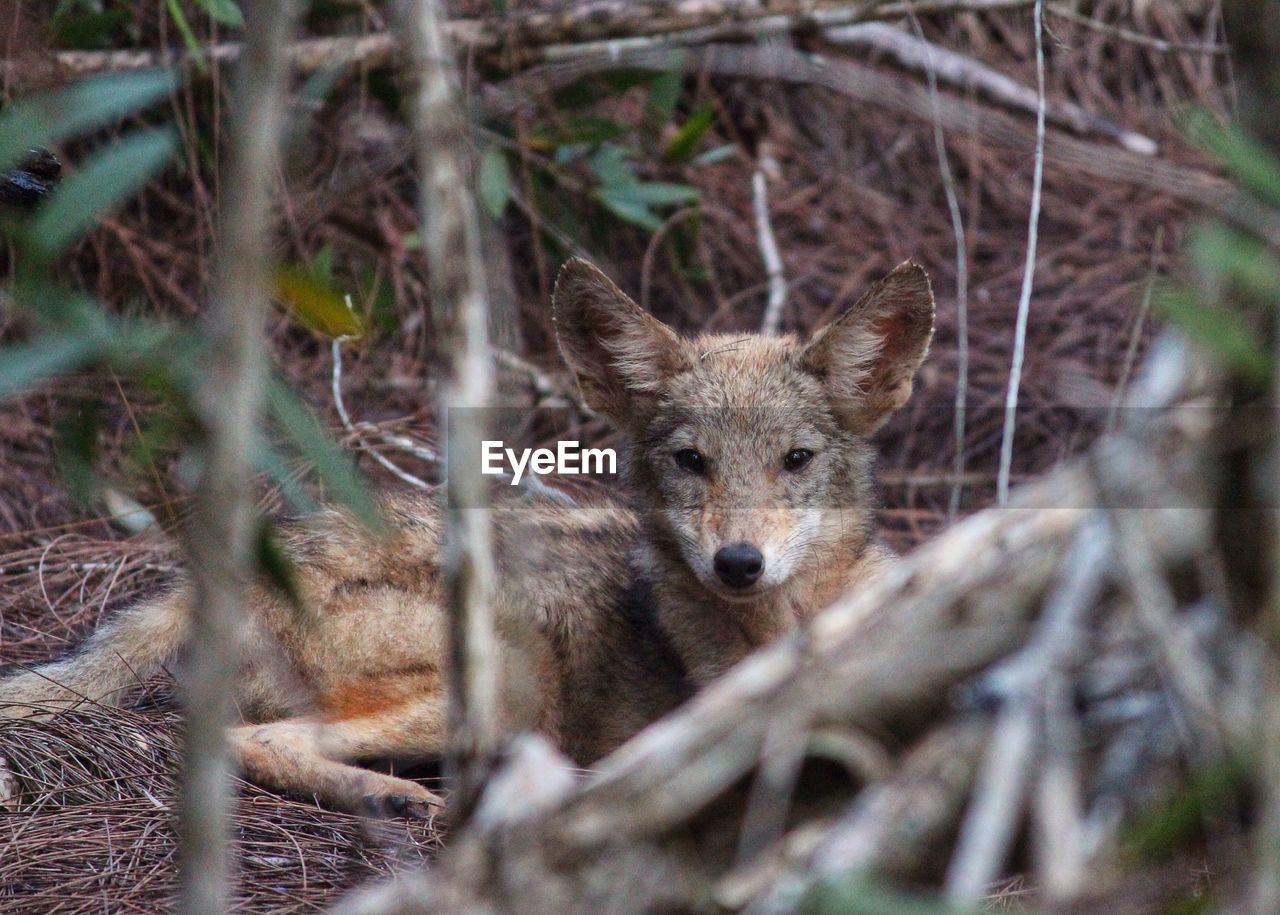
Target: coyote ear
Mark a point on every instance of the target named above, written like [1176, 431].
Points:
[867, 357]
[620, 355]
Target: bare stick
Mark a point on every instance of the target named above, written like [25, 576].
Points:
[550, 391]
[1062, 11]
[540, 34]
[459, 301]
[769, 253]
[220, 533]
[335, 383]
[939, 63]
[998, 799]
[962, 281]
[1028, 276]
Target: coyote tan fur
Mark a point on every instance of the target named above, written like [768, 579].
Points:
[750, 476]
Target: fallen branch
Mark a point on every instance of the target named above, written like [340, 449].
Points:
[955, 69]
[1006, 773]
[769, 254]
[521, 38]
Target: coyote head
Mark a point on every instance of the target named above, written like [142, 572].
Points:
[747, 454]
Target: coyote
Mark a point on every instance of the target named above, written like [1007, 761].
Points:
[750, 477]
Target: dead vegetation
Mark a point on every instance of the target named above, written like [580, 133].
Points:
[854, 188]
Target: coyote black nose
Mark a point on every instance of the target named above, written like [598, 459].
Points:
[738, 564]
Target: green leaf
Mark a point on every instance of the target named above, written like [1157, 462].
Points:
[188, 34]
[597, 86]
[630, 211]
[269, 461]
[1215, 249]
[75, 448]
[106, 180]
[322, 263]
[88, 31]
[1256, 169]
[654, 193]
[494, 181]
[857, 894]
[1178, 821]
[334, 466]
[274, 564]
[25, 364]
[684, 143]
[318, 85]
[315, 303]
[1222, 331]
[611, 166]
[719, 154]
[664, 89]
[42, 119]
[227, 12]
[581, 129]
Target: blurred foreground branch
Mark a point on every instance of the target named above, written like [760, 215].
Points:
[220, 534]
[460, 299]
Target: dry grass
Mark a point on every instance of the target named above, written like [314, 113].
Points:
[97, 821]
[858, 192]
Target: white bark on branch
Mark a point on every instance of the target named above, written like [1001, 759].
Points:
[954, 69]
[1028, 275]
[521, 38]
[769, 253]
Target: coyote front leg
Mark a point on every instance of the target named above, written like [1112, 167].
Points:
[309, 757]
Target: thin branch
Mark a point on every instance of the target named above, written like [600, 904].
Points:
[999, 797]
[335, 384]
[220, 534]
[939, 63]
[1028, 276]
[760, 21]
[769, 253]
[1147, 41]
[519, 39]
[459, 301]
[962, 283]
[550, 392]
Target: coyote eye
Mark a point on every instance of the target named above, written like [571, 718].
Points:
[691, 461]
[796, 459]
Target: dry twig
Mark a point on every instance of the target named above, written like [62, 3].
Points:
[769, 254]
[942, 64]
[1028, 276]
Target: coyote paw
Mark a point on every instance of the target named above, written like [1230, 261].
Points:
[401, 805]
